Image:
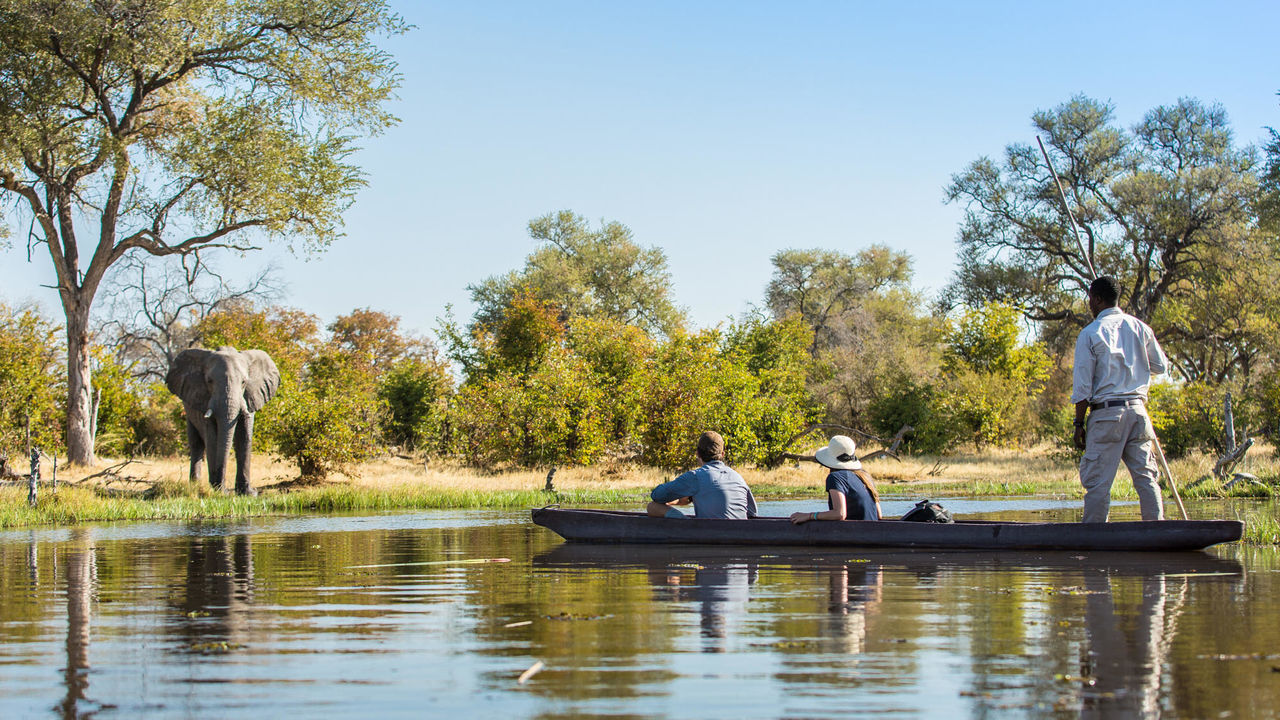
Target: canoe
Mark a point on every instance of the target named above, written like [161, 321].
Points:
[577, 555]
[609, 526]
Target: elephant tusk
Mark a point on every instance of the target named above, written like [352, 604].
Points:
[208, 413]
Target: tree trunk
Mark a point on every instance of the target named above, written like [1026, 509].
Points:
[79, 384]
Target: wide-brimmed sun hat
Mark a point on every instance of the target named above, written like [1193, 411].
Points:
[838, 454]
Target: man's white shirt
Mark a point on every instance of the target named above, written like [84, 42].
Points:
[1116, 355]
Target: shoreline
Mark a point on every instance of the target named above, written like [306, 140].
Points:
[155, 489]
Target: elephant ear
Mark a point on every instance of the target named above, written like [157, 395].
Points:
[186, 377]
[263, 379]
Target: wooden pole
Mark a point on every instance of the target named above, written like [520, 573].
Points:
[1088, 257]
[34, 477]
[1172, 485]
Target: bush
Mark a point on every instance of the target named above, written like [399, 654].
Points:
[1189, 416]
[416, 392]
[32, 382]
[329, 420]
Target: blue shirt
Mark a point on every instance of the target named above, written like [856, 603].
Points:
[858, 503]
[718, 491]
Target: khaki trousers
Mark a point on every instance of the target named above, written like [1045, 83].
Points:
[1115, 434]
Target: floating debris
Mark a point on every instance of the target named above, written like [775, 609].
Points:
[210, 648]
[470, 561]
[198, 614]
[786, 644]
[575, 616]
[522, 623]
[1249, 656]
[534, 669]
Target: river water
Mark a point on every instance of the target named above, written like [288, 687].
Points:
[439, 614]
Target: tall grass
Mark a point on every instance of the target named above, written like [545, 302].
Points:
[1261, 529]
[77, 505]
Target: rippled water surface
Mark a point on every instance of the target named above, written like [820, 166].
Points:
[436, 613]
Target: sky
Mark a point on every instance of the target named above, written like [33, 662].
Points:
[723, 132]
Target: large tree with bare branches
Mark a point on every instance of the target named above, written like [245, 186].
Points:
[172, 126]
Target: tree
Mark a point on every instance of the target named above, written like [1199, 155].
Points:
[824, 286]
[168, 128]
[865, 323]
[1156, 206]
[585, 273]
[154, 310]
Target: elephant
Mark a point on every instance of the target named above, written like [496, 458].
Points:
[220, 391]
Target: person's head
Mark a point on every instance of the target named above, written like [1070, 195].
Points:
[1104, 292]
[710, 446]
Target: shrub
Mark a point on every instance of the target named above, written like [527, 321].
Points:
[416, 392]
[32, 381]
[329, 420]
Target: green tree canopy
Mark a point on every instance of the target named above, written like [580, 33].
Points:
[1158, 206]
[585, 273]
[160, 127]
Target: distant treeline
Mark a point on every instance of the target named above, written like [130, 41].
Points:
[582, 355]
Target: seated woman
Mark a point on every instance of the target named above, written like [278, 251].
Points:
[851, 493]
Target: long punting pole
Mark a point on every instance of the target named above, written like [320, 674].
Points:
[1172, 485]
[1088, 259]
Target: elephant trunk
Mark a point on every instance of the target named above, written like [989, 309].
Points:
[221, 424]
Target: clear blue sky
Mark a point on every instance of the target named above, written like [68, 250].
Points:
[723, 132]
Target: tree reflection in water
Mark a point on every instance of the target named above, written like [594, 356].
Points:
[81, 581]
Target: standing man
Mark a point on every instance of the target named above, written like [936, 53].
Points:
[1116, 355]
[715, 489]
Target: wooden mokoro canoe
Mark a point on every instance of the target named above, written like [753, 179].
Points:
[630, 527]
[927, 560]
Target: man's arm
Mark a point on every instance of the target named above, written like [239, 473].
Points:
[1082, 407]
[1081, 387]
[1156, 359]
[680, 488]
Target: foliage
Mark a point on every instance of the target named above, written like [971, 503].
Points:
[169, 128]
[985, 393]
[546, 417]
[118, 404]
[416, 391]
[1159, 207]
[331, 419]
[585, 273]
[865, 322]
[30, 381]
[746, 384]
[1189, 416]
[616, 356]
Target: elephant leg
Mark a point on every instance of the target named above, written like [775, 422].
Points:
[215, 454]
[195, 450]
[243, 441]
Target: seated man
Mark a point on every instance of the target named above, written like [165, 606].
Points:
[715, 489]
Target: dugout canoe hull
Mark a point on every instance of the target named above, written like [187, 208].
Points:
[608, 526]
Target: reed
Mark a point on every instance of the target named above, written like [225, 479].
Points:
[1261, 528]
[73, 505]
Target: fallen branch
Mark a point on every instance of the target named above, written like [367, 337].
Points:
[112, 473]
[890, 451]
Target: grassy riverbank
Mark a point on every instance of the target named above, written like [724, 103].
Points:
[156, 489]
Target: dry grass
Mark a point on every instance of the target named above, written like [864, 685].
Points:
[1037, 470]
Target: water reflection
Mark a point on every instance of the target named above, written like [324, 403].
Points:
[401, 620]
[81, 571]
[218, 590]
[1126, 653]
[721, 591]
